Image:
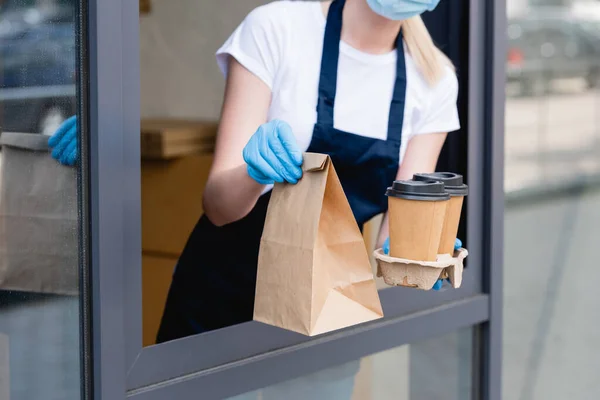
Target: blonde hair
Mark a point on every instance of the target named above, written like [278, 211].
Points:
[430, 60]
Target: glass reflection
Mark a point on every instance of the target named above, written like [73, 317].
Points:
[552, 218]
[39, 305]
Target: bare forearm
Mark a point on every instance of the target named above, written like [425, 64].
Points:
[421, 157]
[230, 195]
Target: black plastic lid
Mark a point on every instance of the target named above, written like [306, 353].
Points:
[428, 190]
[453, 182]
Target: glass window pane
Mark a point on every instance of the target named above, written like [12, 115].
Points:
[39, 268]
[552, 215]
[439, 368]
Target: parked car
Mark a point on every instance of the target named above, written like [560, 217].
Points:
[37, 68]
[543, 47]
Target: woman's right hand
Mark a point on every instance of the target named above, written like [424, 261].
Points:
[272, 154]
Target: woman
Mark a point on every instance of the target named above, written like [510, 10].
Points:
[360, 80]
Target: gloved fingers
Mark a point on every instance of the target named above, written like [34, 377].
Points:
[386, 246]
[65, 141]
[68, 137]
[265, 169]
[69, 156]
[438, 285]
[62, 131]
[290, 171]
[254, 159]
[278, 162]
[258, 176]
[457, 244]
[271, 158]
[288, 141]
[278, 147]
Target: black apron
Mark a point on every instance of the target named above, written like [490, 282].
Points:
[214, 282]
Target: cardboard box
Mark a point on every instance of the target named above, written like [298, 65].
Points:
[172, 201]
[371, 234]
[145, 6]
[165, 139]
[176, 160]
[157, 274]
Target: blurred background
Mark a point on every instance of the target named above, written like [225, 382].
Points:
[552, 176]
[37, 49]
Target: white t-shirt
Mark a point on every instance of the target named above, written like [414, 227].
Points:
[281, 43]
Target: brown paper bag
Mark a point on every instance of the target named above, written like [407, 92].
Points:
[314, 273]
[38, 218]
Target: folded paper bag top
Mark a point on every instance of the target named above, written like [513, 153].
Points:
[314, 274]
[315, 162]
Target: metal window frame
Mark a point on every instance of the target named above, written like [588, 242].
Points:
[208, 363]
[488, 338]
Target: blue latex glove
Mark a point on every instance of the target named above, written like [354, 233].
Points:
[64, 142]
[273, 155]
[438, 285]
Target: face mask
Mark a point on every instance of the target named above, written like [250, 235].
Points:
[398, 10]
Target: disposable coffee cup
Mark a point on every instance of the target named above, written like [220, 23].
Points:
[417, 210]
[457, 190]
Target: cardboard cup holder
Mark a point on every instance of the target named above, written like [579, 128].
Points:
[421, 274]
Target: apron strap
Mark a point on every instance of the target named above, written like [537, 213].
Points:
[329, 64]
[329, 69]
[396, 117]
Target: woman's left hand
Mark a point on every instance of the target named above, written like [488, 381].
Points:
[438, 285]
[64, 142]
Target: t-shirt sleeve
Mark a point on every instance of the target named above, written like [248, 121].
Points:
[441, 114]
[256, 43]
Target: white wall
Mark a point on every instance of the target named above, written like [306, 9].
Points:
[178, 39]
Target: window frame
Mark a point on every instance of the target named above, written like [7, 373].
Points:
[121, 367]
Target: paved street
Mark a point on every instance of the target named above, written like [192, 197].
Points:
[551, 267]
[551, 305]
